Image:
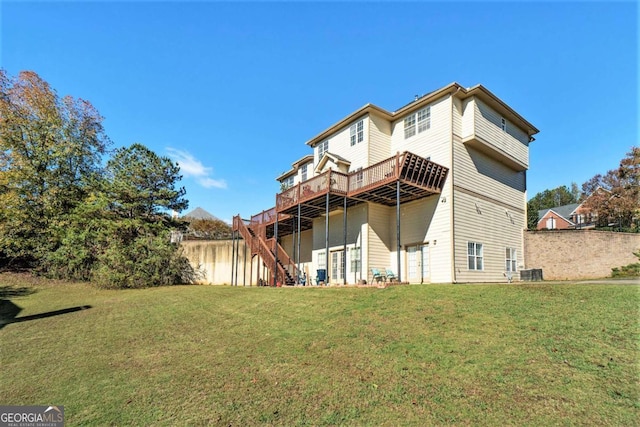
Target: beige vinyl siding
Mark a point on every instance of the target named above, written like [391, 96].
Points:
[340, 144]
[356, 228]
[289, 244]
[379, 139]
[457, 108]
[379, 238]
[478, 172]
[496, 227]
[433, 142]
[467, 120]
[514, 141]
[425, 221]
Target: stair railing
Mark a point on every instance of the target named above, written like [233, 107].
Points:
[284, 258]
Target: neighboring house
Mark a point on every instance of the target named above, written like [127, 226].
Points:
[557, 218]
[435, 191]
[572, 216]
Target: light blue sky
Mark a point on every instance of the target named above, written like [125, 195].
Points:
[234, 90]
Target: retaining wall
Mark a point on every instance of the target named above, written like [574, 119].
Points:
[579, 254]
[213, 259]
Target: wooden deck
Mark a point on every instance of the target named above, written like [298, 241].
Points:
[418, 177]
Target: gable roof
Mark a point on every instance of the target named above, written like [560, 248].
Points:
[199, 213]
[334, 158]
[564, 211]
[454, 89]
[295, 166]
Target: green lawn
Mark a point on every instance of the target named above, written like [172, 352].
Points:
[520, 354]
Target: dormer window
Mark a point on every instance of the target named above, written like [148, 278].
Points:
[356, 132]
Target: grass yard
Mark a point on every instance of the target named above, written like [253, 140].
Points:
[521, 354]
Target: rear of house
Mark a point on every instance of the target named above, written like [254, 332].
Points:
[434, 192]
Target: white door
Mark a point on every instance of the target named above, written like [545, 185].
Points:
[337, 262]
[418, 263]
[424, 250]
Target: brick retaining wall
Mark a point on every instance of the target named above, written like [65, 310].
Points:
[579, 254]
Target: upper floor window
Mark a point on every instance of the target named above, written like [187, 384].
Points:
[356, 132]
[409, 126]
[288, 182]
[303, 172]
[423, 117]
[503, 124]
[323, 147]
[475, 255]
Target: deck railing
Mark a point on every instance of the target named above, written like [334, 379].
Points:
[336, 182]
[374, 175]
[407, 167]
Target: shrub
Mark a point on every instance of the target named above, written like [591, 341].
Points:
[630, 270]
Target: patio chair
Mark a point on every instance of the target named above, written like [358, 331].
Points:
[391, 275]
[321, 276]
[377, 276]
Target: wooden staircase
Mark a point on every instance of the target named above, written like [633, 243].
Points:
[282, 269]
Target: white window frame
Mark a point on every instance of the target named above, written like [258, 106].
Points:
[503, 124]
[417, 122]
[424, 119]
[475, 256]
[409, 126]
[323, 147]
[288, 182]
[322, 260]
[354, 258]
[511, 260]
[356, 133]
[303, 172]
[359, 177]
[551, 223]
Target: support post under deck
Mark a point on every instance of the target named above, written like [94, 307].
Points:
[275, 253]
[344, 237]
[326, 240]
[398, 229]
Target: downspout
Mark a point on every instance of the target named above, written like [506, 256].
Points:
[452, 196]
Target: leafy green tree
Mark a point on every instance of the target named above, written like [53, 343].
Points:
[50, 150]
[142, 184]
[209, 228]
[548, 199]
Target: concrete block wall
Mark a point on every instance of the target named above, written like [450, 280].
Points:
[579, 254]
[214, 260]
